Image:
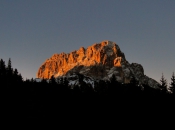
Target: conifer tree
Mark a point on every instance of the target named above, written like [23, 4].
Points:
[65, 82]
[2, 67]
[133, 81]
[32, 80]
[15, 75]
[52, 80]
[163, 84]
[113, 79]
[2, 71]
[172, 84]
[15, 72]
[9, 71]
[9, 66]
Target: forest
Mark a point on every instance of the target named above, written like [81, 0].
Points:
[48, 98]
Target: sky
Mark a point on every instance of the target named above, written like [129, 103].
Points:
[31, 31]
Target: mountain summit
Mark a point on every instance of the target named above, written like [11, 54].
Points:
[99, 61]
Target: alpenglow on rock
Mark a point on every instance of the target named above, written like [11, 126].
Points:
[99, 61]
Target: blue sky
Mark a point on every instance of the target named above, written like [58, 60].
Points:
[33, 30]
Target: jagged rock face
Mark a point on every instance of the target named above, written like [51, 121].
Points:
[99, 61]
[92, 61]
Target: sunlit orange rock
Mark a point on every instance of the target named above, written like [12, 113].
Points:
[94, 61]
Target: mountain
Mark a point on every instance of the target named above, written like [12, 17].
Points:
[98, 62]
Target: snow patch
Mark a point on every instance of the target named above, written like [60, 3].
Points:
[38, 79]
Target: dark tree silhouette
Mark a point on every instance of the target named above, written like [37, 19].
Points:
[9, 66]
[34, 99]
[133, 81]
[163, 84]
[2, 71]
[52, 80]
[2, 64]
[172, 84]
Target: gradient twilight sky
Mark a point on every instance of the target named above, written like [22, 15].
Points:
[31, 31]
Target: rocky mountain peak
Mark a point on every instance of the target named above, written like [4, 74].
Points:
[99, 61]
